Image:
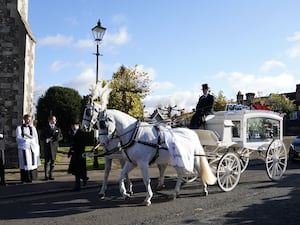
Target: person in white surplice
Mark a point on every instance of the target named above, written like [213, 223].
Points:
[28, 149]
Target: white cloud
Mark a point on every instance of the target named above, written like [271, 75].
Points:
[294, 51]
[120, 38]
[84, 43]
[57, 66]
[59, 40]
[119, 18]
[236, 81]
[183, 100]
[82, 82]
[294, 37]
[270, 64]
[262, 85]
[150, 71]
[111, 40]
[161, 85]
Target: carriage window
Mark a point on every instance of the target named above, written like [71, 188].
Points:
[262, 129]
[236, 129]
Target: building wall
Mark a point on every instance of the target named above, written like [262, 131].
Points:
[17, 51]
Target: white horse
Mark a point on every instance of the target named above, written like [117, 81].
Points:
[112, 151]
[143, 143]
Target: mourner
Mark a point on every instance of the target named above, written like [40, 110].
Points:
[51, 136]
[77, 165]
[28, 149]
[204, 107]
[2, 156]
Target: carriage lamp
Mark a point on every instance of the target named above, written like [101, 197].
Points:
[98, 33]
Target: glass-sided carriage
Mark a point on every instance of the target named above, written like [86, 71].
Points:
[232, 138]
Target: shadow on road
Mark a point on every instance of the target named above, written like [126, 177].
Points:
[284, 209]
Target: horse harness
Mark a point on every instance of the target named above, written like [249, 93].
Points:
[133, 140]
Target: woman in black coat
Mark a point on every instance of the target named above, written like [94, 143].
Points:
[77, 165]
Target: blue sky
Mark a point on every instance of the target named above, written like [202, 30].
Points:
[233, 45]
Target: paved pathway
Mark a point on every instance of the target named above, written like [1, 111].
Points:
[63, 181]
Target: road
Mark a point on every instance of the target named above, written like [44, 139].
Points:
[256, 200]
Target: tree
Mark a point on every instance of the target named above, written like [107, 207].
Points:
[65, 103]
[220, 102]
[129, 88]
[280, 103]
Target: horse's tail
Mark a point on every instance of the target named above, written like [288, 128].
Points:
[207, 175]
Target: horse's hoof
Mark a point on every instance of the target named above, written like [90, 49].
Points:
[160, 187]
[206, 193]
[130, 193]
[126, 197]
[101, 196]
[173, 197]
[147, 203]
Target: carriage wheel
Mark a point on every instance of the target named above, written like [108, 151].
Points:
[229, 171]
[189, 178]
[244, 154]
[214, 162]
[276, 160]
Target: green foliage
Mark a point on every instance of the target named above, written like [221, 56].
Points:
[129, 87]
[65, 103]
[280, 103]
[220, 102]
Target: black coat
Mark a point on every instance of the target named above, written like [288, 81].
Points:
[204, 107]
[205, 104]
[77, 164]
[50, 148]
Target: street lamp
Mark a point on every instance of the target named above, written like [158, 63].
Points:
[98, 33]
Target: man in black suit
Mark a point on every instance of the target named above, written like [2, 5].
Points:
[204, 107]
[77, 165]
[51, 136]
[2, 158]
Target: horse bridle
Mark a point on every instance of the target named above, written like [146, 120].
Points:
[90, 111]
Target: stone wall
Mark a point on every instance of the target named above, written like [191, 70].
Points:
[17, 47]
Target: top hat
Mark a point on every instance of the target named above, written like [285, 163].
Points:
[75, 121]
[205, 87]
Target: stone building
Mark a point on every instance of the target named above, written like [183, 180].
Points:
[17, 54]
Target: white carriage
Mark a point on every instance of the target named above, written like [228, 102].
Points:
[232, 138]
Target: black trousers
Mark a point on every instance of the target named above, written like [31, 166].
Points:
[27, 176]
[2, 172]
[197, 120]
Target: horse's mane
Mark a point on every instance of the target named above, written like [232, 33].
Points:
[100, 92]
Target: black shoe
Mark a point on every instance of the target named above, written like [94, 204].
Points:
[46, 178]
[85, 181]
[51, 178]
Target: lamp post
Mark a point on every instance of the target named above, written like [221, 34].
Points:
[98, 33]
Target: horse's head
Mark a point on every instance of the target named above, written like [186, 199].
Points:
[107, 127]
[89, 120]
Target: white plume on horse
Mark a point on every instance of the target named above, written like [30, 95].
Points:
[101, 93]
